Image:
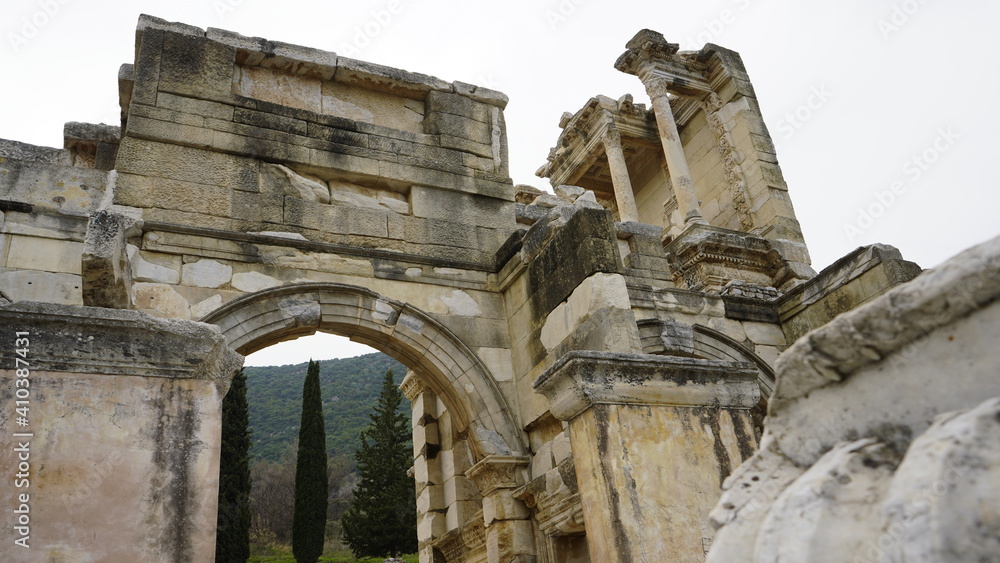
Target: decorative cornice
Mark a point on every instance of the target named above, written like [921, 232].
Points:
[704, 244]
[101, 341]
[581, 379]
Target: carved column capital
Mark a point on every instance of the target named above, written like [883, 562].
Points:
[412, 386]
[657, 87]
[496, 472]
[611, 137]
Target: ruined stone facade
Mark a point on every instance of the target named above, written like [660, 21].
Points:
[587, 367]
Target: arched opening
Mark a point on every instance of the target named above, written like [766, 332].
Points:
[459, 414]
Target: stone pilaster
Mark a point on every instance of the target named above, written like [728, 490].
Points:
[427, 477]
[653, 437]
[509, 535]
[120, 434]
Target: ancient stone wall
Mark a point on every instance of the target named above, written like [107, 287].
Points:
[586, 366]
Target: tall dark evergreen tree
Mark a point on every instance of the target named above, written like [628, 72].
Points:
[309, 521]
[382, 519]
[232, 544]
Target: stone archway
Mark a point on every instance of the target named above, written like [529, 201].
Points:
[435, 353]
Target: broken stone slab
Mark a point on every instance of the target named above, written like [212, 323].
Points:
[106, 272]
[588, 200]
[944, 503]
[16, 150]
[152, 22]
[481, 94]
[569, 193]
[827, 513]
[302, 187]
[91, 132]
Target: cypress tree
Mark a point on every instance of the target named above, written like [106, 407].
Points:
[382, 520]
[309, 520]
[232, 543]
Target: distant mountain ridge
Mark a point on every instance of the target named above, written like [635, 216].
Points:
[350, 387]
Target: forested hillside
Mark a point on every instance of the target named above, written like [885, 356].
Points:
[350, 387]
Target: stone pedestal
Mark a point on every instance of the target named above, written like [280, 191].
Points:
[653, 437]
[119, 439]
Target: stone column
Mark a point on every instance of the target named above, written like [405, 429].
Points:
[624, 196]
[653, 437]
[673, 151]
[509, 534]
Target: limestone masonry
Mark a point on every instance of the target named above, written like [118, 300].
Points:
[590, 369]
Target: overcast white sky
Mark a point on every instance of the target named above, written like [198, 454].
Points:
[861, 97]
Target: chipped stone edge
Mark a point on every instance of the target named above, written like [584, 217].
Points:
[341, 69]
[215, 361]
[856, 339]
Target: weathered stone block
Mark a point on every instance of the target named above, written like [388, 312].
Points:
[45, 287]
[146, 158]
[196, 66]
[50, 255]
[206, 273]
[430, 498]
[459, 488]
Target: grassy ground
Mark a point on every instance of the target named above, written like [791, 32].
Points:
[282, 554]
[348, 558]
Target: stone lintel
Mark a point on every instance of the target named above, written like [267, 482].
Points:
[496, 472]
[95, 340]
[581, 379]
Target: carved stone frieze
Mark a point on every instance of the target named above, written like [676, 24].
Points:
[730, 160]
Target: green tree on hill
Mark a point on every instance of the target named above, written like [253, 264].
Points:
[309, 520]
[382, 520]
[232, 544]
